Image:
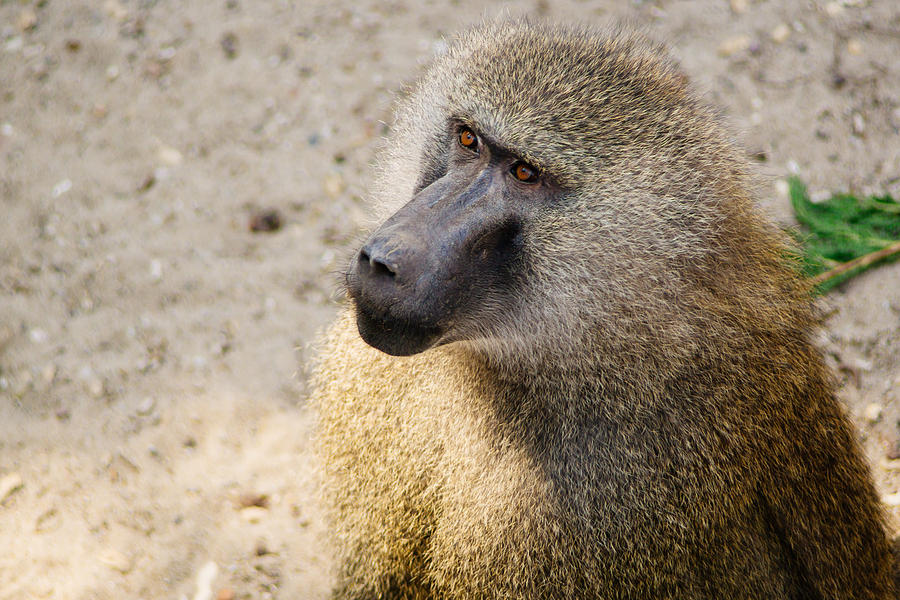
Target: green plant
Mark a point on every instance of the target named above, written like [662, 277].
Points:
[844, 235]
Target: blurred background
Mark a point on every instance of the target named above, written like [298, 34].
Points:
[180, 182]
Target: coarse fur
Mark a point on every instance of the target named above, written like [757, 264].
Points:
[645, 416]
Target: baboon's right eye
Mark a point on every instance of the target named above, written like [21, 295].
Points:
[468, 140]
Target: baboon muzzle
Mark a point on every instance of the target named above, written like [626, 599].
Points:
[429, 264]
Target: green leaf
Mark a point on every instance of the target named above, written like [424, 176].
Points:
[840, 229]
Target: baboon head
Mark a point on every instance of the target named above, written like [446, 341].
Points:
[554, 191]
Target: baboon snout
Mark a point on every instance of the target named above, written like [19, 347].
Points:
[433, 261]
[390, 287]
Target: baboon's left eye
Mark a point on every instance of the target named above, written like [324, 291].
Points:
[524, 172]
[468, 140]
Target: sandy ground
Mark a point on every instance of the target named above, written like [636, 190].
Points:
[153, 349]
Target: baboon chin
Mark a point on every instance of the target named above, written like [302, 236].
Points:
[576, 362]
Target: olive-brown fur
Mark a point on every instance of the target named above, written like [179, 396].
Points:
[647, 418]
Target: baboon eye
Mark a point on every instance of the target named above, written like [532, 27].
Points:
[468, 140]
[525, 172]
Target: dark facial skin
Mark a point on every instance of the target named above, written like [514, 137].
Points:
[453, 248]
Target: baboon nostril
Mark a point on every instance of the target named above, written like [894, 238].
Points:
[378, 267]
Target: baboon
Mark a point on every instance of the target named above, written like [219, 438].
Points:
[576, 361]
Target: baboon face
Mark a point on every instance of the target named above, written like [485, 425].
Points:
[453, 249]
[553, 186]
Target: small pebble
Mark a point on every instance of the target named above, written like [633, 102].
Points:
[156, 269]
[115, 560]
[146, 406]
[95, 387]
[891, 499]
[781, 33]
[7, 129]
[73, 45]
[833, 9]
[169, 156]
[739, 7]
[167, 53]
[854, 47]
[861, 364]
[38, 336]
[268, 220]
[872, 413]
[205, 578]
[253, 514]
[9, 484]
[225, 594]
[248, 499]
[859, 124]
[334, 185]
[782, 188]
[734, 45]
[61, 188]
[112, 72]
[891, 463]
[14, 44]
[48, 373]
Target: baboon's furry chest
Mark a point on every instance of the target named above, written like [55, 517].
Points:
[430, 483]
[570, 519]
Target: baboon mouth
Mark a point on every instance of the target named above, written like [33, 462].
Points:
[394, 336]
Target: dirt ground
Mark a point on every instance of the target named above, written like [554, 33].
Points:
[153, 436]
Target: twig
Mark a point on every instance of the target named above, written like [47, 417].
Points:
[862, 261]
